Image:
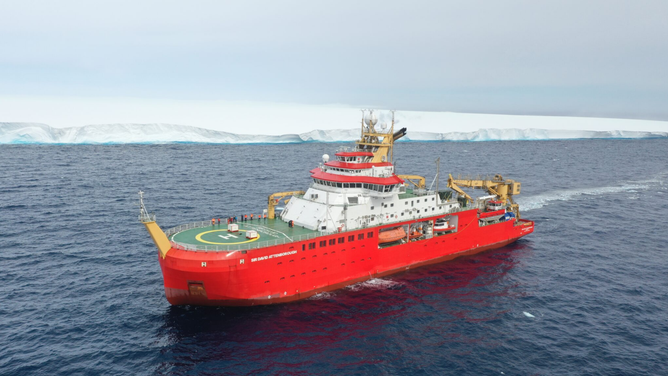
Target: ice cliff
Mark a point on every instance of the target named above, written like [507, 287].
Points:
[35, 133]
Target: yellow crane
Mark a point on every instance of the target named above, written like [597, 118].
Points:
[503, 189]
[416, 180]
[276, 198]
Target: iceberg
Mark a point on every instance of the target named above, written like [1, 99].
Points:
[32, 133]
[36, 133]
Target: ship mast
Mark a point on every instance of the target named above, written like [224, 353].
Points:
[379, 143]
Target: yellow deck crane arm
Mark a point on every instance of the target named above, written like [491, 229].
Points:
[452, 185]
[416, 180]
[503, 189]
[275, 198]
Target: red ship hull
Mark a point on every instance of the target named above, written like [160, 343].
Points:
[295, 271]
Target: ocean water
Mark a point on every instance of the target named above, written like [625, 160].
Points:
[587, 293]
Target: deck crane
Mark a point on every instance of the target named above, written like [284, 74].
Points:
[275, 198]
[416, 180]
[503, 189]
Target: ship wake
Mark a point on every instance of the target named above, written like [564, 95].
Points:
[528, 203]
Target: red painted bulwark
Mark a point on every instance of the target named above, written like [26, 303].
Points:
[292, 271]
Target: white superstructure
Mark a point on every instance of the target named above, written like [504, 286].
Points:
[360, 189]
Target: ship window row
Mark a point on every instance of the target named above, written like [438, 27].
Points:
[344, 170]
[354, 159]
[373, 187]
[334, 241]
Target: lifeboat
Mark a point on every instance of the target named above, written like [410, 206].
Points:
[494, 205]
[415, 234]
[391, 235]
[443, 226]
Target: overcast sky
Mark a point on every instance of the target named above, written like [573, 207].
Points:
[586, 57]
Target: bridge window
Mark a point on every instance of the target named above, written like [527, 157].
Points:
[360, 236]
[351, 238]
[342, 240]
[332, 241]
[311, 245]
[323, 243]
[369, 235]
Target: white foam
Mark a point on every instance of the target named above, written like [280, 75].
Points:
[374, 283]
[527, 314]
[321, 296]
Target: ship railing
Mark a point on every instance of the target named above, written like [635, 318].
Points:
[262, 244]
[188, 226]
[420, 192]
[146, 217]
[238, 247]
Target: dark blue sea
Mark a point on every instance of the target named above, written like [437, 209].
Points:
[585, 294]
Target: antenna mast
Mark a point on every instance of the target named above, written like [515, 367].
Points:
[438, 172]
[392, 135]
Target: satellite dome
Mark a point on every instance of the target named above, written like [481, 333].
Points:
[325, 158]
[370, 119]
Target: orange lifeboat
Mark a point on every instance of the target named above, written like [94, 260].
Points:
[415, 234]
[391, 235]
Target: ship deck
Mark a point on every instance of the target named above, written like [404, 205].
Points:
[217, 238]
